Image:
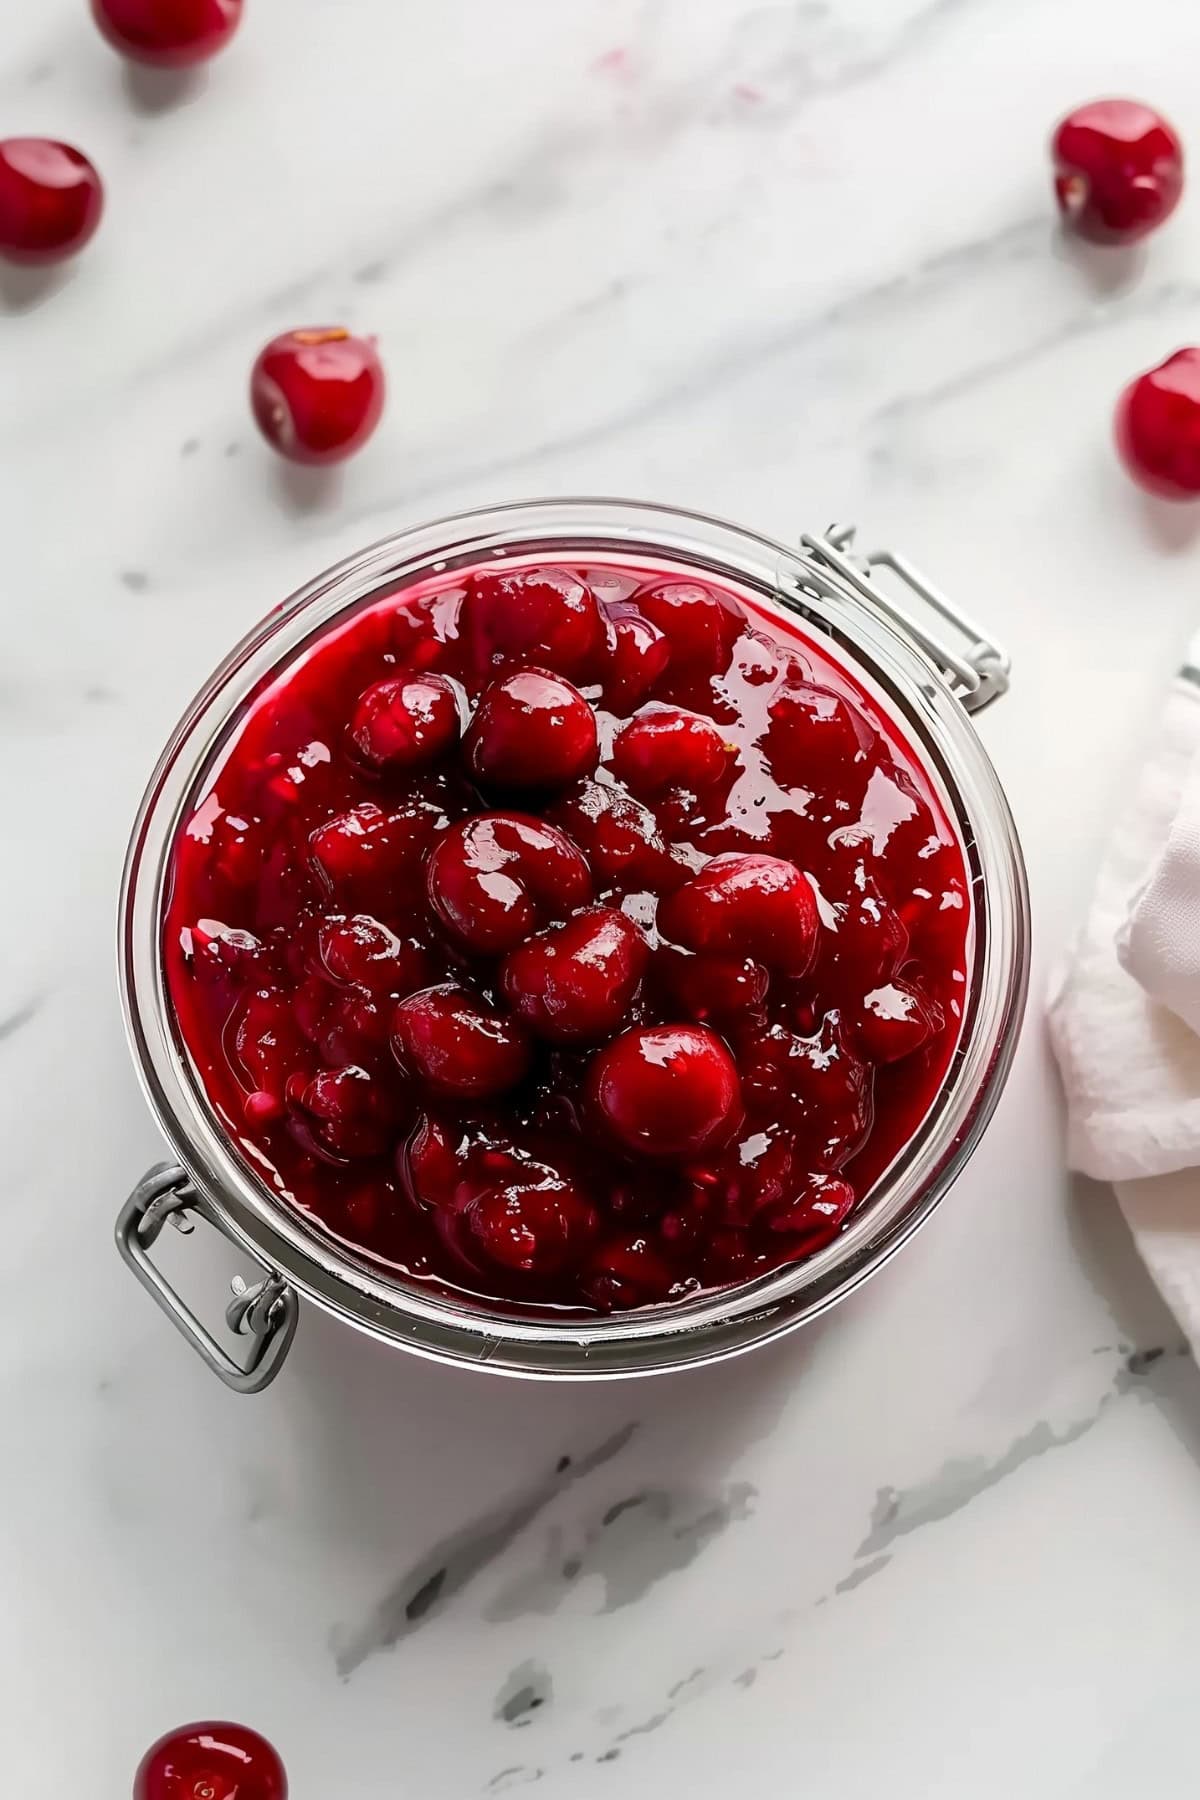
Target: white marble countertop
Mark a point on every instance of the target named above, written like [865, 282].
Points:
[785, 262]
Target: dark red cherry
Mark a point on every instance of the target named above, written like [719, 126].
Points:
[574, 983]
[215, 1761]
[757, 906]
[1118, 170]
[620, 838]
[668, 1091]
[51, 199]
[700, 624]
[363, 952]
[533, 1228]
[628, 1272]
[456, 1044]
[317, 394]
[636, 654]
[896, 1020]
[531, 730]
[377, 854]
[711, 987]
[168, 34]
[813, 1215]
[493, 879]
[342, 1113]
[818, 740]
[668, 746]
[405, 722]
[546, 615]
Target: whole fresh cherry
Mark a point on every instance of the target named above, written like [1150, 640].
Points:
[1158, 427]
[317, 394]
[1118, 170]
[168, 34]
[214, 1761]
[51, 199]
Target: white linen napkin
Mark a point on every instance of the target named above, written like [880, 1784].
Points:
[1125, 1011]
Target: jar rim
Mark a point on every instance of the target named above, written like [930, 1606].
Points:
[715, 1324]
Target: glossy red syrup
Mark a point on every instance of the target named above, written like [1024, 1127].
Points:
[577, 936]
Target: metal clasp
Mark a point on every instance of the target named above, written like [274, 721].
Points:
[267, 1312]
[977, 674]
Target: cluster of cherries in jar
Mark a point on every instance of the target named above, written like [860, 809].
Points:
[574, 936]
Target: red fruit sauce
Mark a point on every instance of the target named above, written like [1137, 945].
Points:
[531, 1004]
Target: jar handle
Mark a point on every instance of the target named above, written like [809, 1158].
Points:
[977, 672]
[267, 1312]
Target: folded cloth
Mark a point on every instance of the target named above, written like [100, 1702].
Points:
[1125, 1011]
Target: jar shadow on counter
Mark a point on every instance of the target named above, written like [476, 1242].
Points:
[395, 1438]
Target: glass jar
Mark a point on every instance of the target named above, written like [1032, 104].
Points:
[926, 684]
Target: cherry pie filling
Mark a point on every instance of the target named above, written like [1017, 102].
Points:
[581, 936]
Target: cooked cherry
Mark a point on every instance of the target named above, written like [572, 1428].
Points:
[345, 1025]
[701, 624]
[816, 739]
[364, 953]
[429, 1164]
[628, 1272]
[667, 1090]
[456, 1044]
[546, 616]
[757, 906]
[219, 952]
[375, 854]
[864, 941]
[342, 1113]
[212, 1761]
[668, 746]
[711, 987]
[574, 983]
[636, 654]
[814, 1083]
[533, 1228]
[494, 878]
[813, 1215]
[620, 838]
[531, 730]
[896, 1020]
[754, 1178]
[406, 722]
[269, 1043]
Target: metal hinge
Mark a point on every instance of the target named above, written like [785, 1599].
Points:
[265, 1313]
[977, 673]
